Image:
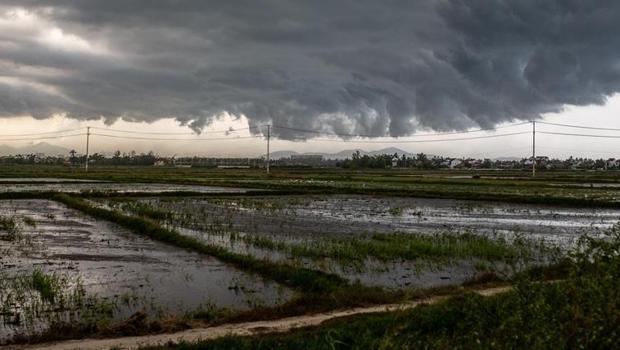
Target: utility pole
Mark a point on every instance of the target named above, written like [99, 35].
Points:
[533, 148]
[268, 137]
[87, 144]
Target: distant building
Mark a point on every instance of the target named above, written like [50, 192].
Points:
[455, 163]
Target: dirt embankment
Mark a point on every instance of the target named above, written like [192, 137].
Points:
[238, 329]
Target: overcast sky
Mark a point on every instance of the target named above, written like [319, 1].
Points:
[363, 67]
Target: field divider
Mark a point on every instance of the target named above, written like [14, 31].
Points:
[317, 291]
[300, 278]
[247, 329]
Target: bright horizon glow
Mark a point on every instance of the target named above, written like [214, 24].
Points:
[554, 146]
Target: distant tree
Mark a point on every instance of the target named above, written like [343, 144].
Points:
[72, 156]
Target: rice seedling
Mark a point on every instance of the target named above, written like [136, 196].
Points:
[29, 221]
[9, 229]
[32, 302]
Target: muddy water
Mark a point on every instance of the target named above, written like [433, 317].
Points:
[311, 217]
[42, 180]
[389, 274]
[298, 219]
[79, 186]
[115, 264]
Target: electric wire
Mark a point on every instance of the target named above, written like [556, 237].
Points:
[42, 138]
[174, 139]
[170, 133]
[42, 133]
[418, 141]
[579, 135]
[578, 126]
[415, 135]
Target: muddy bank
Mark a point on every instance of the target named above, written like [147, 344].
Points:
[241, 329]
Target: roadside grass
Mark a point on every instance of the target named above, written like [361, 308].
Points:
[582, 311]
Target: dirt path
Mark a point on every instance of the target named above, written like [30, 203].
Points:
[238, 329]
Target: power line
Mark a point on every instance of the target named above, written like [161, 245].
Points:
[580, 135]
[578, 150]
[170, 133]
[41, 138]
[174, 139]
[415, 135]
[42, 133]
[512, 149]
[418, 141]
[579, 126]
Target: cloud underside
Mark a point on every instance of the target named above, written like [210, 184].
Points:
[364, 67]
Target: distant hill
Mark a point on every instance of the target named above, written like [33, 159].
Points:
[281, 154]
[343, 154]
[42, 147]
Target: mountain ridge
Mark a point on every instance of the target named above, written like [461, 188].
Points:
[344, 154]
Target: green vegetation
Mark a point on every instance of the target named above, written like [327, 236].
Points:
[29, 221]
[217, 219]
[48, 286]
[586, 303]
[300, 278]
[9, 230]
[30, 299]
[318, 290]
[549, 187]
[385, 247]
[581, 311]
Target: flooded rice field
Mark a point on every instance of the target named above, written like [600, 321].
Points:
[368, 239]
[320, 216]
[59, 264]
[76, 264]
[43, 180]
[94, 186]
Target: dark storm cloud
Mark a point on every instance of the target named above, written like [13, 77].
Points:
[367, 67]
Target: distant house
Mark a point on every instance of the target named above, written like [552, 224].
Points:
[454, 163]
[395, 162]
[613, 163]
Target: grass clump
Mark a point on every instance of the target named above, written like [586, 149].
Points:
[29, 221]
[48, 286]
[9, 229]
[385, 247]
[35, 302]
